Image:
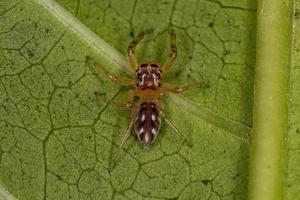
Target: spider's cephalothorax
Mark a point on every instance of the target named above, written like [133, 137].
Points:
[148, 76]
[147, 122]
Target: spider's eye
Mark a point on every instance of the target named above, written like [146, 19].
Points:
[154, 65]
[138, 84]
[143, 65]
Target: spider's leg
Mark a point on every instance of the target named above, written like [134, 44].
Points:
[169, 122]
[127, 132]
[129, 104]
[171, 60]
[117, 80]
[130, 98]
[131, 48]
[175, 89]
[120, 147]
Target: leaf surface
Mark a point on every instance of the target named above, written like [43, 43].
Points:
[59, 131]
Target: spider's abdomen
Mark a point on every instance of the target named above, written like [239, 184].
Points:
[147, 122]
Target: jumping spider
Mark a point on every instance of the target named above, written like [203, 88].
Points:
[148, 86]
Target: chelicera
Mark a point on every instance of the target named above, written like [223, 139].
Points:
[148, 85]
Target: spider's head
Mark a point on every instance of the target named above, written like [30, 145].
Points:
[148, 76]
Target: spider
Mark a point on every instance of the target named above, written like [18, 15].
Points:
[148, 86]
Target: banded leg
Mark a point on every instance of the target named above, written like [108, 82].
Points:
[117, 80]
[168, 64]
[131, 48]
[175, 89]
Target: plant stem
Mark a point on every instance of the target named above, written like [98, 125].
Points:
[273, 52]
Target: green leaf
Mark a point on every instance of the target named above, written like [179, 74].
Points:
[59, 131]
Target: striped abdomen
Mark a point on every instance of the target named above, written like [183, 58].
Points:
[147, 122]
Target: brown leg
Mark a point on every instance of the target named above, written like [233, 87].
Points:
[175, 89]
[130, 101]
[131, 48]
[129, 104]
[183, 137]
[120, 147]
[117, 80]
[173, 54]
[127, 132]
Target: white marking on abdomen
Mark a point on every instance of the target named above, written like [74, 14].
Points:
[153, 131]
[153, 117]
[146, 137]
[143, 117]
[141, 131]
